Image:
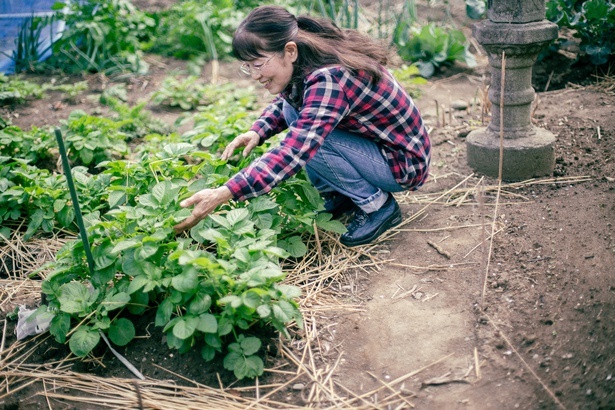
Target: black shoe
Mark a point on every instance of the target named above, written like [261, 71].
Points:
[337, 204]
[364, 227]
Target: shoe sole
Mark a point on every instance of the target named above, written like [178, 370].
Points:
[396, 220]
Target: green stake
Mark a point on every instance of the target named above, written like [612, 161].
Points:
[73, 194]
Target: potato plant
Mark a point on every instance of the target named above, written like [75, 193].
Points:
[213, 288]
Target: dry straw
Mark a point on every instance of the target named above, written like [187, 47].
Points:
[328, 276]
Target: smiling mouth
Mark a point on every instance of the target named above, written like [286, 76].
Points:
[266, 83]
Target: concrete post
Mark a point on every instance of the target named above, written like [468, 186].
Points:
[518, 28]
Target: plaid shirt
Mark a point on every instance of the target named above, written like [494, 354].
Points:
[335, 98]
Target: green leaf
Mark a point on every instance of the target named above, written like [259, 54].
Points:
[159, 191]
[251, 299]
[86, 156]
[251, 366]
[102, 323]
[138, 302]
[123, 245]
[137, 283]
[59, 327]
[132, 267]
[121, 332]
[263, 311]
[220, 220]
[261, 204]
[213, 340]
[200, 303]
[283, 311]
[116, 198]
[232, 300]
[290, 291]
[148, 200]
[36, 220]
[102, 276]
[250, 345]
[83, 341]
[164, 312]
[275, 251]
[294, 246]
[102, 254]
[242, 254]
[264, 221]
[148, 249]
[224, 326]
[207, 323]
[231, 360]
[66, 216]
[312, 195]
[58, 205]
[74, 297]
[323, 221]
[208, 353]
[237, 215]
[116, 301]
[185, 327]
[243, 227]
[186, 282]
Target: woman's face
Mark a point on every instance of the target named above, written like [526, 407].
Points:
[274, 71]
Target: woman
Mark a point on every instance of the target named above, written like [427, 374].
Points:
[350, 124]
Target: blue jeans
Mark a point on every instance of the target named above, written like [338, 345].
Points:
[351, 165]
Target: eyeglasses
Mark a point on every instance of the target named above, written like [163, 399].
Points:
[247, 70]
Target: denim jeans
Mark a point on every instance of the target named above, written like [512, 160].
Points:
[351, 165]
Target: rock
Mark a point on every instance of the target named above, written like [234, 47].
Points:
[459, 105]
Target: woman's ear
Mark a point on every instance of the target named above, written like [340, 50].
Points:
[291, 50]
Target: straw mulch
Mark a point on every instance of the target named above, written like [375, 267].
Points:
[326, 276]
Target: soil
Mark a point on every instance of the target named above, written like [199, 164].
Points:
[540, 328]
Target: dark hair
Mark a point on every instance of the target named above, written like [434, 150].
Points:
[267, 29]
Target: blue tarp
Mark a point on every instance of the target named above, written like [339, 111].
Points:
[14, 14]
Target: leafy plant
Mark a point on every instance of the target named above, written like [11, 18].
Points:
[29, 50]
[229, 113]
[186, 94]
[403, 22]
[13, 90]
[102, 36]
[432, 47]
[41, 198]
[91, 140]
[410, 77]
[192, 29]
[214, 299]
[33, 146]
[593, 22]
[135, 121]
[71, 90]
[345, 13]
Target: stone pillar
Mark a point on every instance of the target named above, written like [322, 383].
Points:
[519, 28]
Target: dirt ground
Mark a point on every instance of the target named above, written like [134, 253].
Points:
[543, 336]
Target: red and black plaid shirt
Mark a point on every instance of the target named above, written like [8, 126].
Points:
[335, 98]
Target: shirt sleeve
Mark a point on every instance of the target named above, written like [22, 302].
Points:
[271, 121]
[324, 105]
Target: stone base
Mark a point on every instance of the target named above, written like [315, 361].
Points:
[524, 158]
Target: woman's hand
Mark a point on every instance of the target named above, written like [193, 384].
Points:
[249, 140]
[204, 201]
